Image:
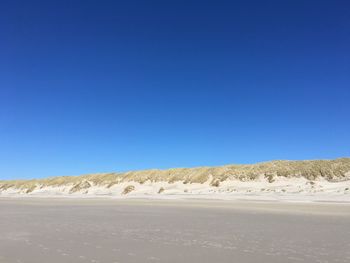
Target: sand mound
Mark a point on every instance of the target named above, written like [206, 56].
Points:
[274, 176]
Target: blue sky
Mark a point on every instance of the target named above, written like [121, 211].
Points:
[99, 86]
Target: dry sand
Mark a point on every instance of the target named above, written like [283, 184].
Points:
[35, 230]
[317, 180]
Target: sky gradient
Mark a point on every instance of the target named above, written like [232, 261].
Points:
[101, 86]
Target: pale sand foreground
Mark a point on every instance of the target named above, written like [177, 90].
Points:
[105, 231]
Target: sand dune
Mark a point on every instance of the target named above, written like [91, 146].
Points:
[327, 180]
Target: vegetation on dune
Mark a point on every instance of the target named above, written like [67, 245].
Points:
[330, 170]
[215, 183]
[80, 186]
[128, 189]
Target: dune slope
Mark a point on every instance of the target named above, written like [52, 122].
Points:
[322, 179]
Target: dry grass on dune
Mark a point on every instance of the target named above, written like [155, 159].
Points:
[330, 170]
[128, 189]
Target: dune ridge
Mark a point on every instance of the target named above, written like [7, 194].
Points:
[274, 178]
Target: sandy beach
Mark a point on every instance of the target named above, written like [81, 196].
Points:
[37, 230]
[174, 131]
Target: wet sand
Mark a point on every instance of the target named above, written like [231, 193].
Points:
[34, 230]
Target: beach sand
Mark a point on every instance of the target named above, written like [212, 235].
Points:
[34, 230]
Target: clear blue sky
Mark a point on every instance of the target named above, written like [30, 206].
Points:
[98, 86]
